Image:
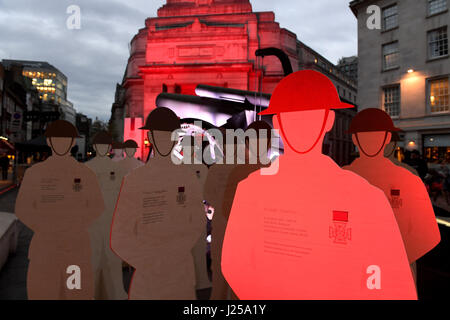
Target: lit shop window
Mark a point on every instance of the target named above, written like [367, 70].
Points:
[392, 100]
[439, 95]
[438, 43]
[436, 6]
[390, 17]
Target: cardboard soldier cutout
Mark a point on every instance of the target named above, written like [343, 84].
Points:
[107, 266]
[371, 130]
[159, 217]
[130, 162]
[219, 192]
[313, 230]
[193, 158]
[117, 150]
[59, 199]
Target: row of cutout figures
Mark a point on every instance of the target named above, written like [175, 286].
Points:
[309, 230]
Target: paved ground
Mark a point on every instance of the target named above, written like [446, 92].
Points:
[14, 273]
[433, 270]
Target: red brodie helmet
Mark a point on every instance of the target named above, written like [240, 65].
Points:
[303, 91]
[371, 120]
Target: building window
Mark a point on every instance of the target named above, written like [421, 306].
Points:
[439, 95]
[390, 18]
[390, 55]
[436, 6]
[438, 43]
[392, 100]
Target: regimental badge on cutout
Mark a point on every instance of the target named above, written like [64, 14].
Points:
[112, 176]
[77, 185]
[181, 196]
[339, 231]
[395, 200]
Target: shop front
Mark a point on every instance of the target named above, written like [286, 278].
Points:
[436, 148]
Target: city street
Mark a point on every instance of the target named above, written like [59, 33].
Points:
[433, 275]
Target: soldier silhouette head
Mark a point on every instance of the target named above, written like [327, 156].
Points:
[130, 147]
[302, 103]
[117, 148]
[61, 136]
[371, 131]
[161, 123]
[102, 143]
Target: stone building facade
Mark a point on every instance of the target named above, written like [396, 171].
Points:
[404, 69]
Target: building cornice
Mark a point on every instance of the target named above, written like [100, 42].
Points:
[356, 3]
[197, 68]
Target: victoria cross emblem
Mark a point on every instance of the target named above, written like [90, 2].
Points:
[396, 201]
[339, 231]
[181, 197]
[77, 185]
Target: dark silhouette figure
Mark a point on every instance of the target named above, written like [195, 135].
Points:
[4, 164]
[418, 163]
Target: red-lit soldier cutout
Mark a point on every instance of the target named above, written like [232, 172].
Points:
[59, 199]
[371, 131]
[277, 242]
[107, 266]
[339, 231]
[159, 217]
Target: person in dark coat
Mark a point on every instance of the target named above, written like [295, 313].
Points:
[4, 164]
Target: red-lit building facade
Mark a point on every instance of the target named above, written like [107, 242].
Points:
[192, 42]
